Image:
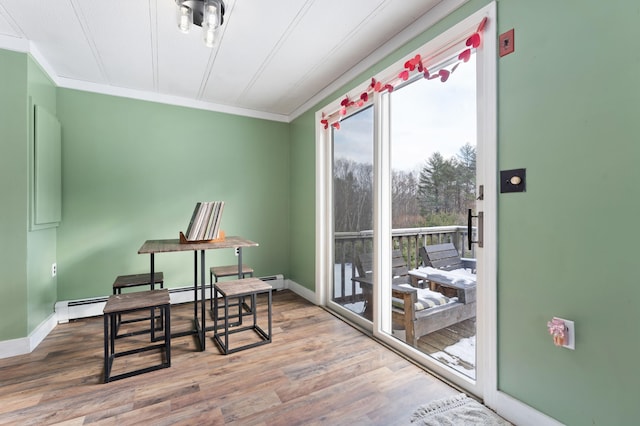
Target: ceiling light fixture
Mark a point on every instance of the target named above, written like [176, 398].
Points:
[208, 14]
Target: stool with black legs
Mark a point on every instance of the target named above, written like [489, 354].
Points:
[137, 280]
[217, 272]
[119, 304]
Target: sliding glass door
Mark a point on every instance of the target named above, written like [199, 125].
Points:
[433, 185]
[352, 202]
[406, 180]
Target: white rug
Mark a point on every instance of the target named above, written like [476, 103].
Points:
[458, 410]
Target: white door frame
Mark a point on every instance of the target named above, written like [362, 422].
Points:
[485, 385]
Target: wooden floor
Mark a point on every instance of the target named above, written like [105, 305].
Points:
[317, 370]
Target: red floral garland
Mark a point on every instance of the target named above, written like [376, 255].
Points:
[412, 66]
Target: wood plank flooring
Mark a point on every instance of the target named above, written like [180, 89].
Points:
[317, 370]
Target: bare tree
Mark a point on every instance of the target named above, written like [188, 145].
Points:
[404, 193]
[353, 195]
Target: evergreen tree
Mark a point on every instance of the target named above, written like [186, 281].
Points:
[433, 185]
[447, 187]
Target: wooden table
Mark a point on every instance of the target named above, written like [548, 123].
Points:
[152, 247]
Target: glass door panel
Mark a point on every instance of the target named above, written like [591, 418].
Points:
[353, 212]
[433, 181]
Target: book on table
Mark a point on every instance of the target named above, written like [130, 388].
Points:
[204, 224]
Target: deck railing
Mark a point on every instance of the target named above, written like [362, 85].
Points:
[408, 240]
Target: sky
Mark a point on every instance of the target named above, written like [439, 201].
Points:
[427, 116]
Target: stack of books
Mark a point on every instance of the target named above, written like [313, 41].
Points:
[205, 221]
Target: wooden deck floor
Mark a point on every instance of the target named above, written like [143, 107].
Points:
[318, 370]
[439, 341]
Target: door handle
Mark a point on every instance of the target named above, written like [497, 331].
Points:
[480, 217]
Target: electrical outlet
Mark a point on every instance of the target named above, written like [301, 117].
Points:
[563, 332]
[570, 339]
[54, 269]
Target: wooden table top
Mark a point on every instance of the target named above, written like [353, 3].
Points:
[171, 245]
[137, 300]
[242, 287]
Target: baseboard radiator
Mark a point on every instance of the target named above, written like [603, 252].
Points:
[83, 308]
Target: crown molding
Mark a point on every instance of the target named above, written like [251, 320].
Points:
[22, 45]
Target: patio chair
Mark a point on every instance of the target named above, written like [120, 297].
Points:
[443, 266]
[419, 319]
[416, 311]
[399, 269]
[364, 267]
[446, 257]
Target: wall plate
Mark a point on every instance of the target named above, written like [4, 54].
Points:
[513, 180]
[570, 341]
[506, 43]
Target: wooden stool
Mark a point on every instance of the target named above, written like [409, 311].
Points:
[238, 289]
[136, 280]
[118, 304]
[216, 272]
[126, 281]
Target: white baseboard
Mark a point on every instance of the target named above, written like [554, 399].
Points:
[520, 413]
[276, 281]
[75, 309]
[26, 345]
[301, 291]
[14, 347]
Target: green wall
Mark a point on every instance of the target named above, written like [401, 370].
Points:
[302, 191]
[134, 170]
[13, 194]
[29, 291]
[568, 101]
[41, 243]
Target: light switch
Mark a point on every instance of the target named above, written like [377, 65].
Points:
[513, 180]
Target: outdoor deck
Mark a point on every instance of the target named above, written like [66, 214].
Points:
[347, 246]
[444, 344]
[437, 344]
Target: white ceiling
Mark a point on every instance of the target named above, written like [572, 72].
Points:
[275, 58]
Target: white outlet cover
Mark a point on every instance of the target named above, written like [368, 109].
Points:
[570, 340]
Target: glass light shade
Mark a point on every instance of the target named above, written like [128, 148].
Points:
[210, 36]
[212, 14]
[184, 17]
